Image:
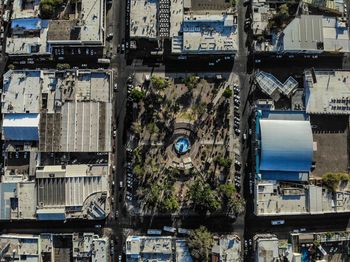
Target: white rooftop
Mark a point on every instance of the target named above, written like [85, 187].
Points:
[21, 92]
[101, 250]
[266, 249]
[208, 34]
[143, 18]
[26, 44]
[330, 94]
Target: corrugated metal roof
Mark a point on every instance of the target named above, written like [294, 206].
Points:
[303, 33]
[286, 145]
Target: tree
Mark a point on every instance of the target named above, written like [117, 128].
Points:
[236, 204]
[227, 92]
[138, 170]
[169, 203]
[232, 201]
[159, 83]
[331, 180]
[227, 190]
[283, 10]
[136, 127]
[152, 128]
[154, 194]
[137, 95]
[50, 8]
[204, 198]
[191, 82]
[200, 243]
[223, 161]
[63, 66]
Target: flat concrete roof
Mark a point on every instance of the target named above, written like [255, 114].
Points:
[22, 43]
[209, 33]
[330, 94]
[21, 92]
[143, 18]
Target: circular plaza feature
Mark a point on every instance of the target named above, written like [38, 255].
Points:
[182, 145]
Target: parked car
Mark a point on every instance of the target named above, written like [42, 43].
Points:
[277, 222]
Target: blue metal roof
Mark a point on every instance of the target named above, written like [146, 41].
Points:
[286, 145]
[27, 23]
[21, 127]
[51, 216]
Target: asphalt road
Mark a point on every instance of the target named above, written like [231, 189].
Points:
[121, 72]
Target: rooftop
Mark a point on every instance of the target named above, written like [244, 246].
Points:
[25, 8]
[21, 92]
[75, 107]
[327, 92]
[317, 33]
[26, 39]
[207, 34]
[143, 18]
[266, 248]
[84, 26]
[287, 199]
[17, 245]
[286, 145]
[70, 185]
[269, 84]
[150, 248]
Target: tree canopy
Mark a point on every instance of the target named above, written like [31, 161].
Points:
[331, 180]
[204, 198]
[200, 243]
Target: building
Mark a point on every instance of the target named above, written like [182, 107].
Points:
[191, 32]
[57, 142]
[273, 87]
[277, 198]
[20, 247]
[284, 145]
[316, 34]
[303, 34]
[206, 34]
[73, 191]
[65, 111]
[54, 247]
[227, 248]
[266, 248]
[327, 92]
[156, 248]
[81, 24]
